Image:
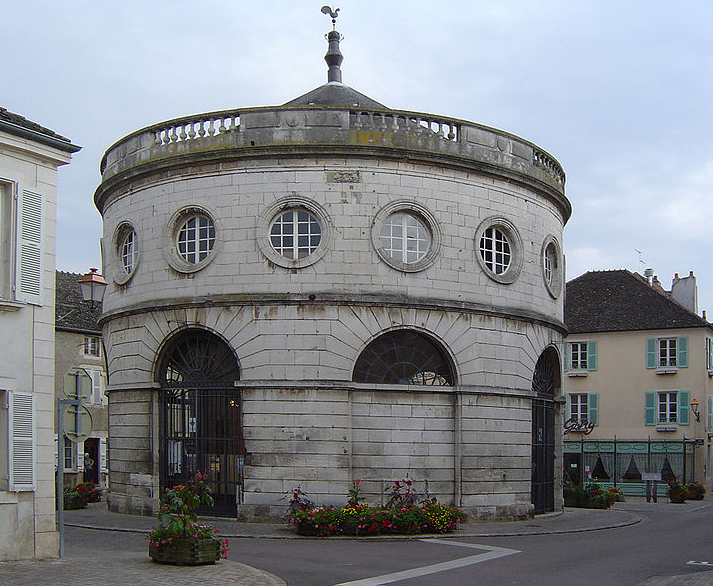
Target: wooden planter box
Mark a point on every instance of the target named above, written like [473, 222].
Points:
[186, 552]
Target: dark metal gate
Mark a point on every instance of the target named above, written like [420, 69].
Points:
[201, 419]
[544, 382]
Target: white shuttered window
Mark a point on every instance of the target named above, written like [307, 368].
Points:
[29, 267]
[22, 441]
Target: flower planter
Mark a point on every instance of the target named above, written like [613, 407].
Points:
[186, 552]
[677, 497]
[694, 494]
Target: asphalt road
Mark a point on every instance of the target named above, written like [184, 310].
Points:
[660, 546]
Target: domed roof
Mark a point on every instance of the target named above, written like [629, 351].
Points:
[334, 92]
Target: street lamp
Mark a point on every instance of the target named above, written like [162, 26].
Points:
[694, 409]
[93, 286]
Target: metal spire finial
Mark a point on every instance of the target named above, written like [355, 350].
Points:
[334, 56]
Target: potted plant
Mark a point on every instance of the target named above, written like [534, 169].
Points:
[676, 491]
[90, 490]
[73, 499]
[180, 539]
[695, 491]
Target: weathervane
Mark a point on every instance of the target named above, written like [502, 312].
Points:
[333, 13]
[334, 56]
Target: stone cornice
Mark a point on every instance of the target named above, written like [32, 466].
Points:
[327, 299]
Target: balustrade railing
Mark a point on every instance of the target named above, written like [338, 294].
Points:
[395, 122]
[192, 128]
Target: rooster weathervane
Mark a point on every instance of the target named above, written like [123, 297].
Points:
[333, 13]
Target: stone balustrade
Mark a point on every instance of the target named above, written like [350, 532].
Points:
[303, 130]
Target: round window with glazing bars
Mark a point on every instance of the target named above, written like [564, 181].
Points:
[295, 233]
[195, 238]
[126, 252]
[499, 249]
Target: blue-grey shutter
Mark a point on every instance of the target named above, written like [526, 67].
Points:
[651, 353]
[709, 413]
[683, 407]
[650, 408]
[593, 408]
[591, 355]
[682, 351]
[567, 350]
[567, 405]
[29, 263]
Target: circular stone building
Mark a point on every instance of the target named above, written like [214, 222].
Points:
[306, 294]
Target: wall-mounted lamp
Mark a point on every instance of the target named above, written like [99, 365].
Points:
[694, 409]
[93, 286]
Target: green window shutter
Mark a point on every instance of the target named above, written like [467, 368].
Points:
[709, 413]
[682, 351]
[650, 409]
[593, 408]
[567, 350]
[591, 355]
[651, 353]
[567, 409]
[683, 407]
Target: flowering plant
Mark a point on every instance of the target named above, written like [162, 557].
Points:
[400, 516]
[695, 490]
[354, 494]
[90, 491]
[674, 486]
[177, 518]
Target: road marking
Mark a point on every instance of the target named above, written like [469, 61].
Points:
[692, 563]
[490, 553]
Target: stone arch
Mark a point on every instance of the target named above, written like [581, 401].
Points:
[405, 356]
[200, 415]
[546, 383]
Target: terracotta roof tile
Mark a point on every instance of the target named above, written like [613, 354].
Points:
[619, 300]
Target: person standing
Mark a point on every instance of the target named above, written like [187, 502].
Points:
[88, 469]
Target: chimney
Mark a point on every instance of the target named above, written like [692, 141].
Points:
[648, 273]
[685, 291]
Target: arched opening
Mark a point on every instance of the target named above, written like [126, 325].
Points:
[200, 425]
[404, 357]
[545, 382]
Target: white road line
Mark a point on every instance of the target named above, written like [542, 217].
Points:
[490, 553]
[692, 563]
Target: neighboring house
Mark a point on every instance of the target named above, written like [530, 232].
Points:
[78, 345]
[638, 380]
[29, 157]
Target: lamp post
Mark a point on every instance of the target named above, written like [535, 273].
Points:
[92, 286]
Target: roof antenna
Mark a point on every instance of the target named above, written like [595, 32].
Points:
[333, 57]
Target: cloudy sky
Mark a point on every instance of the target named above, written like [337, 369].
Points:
[620, 92]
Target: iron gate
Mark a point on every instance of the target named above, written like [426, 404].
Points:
[544, 382]
[201, 417]
[201, 433]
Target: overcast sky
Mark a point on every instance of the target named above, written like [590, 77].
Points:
[620, 92]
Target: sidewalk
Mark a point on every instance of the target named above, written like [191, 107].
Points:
[120, 568]
[96, 516]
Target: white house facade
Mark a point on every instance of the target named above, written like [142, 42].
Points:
[29, 157]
